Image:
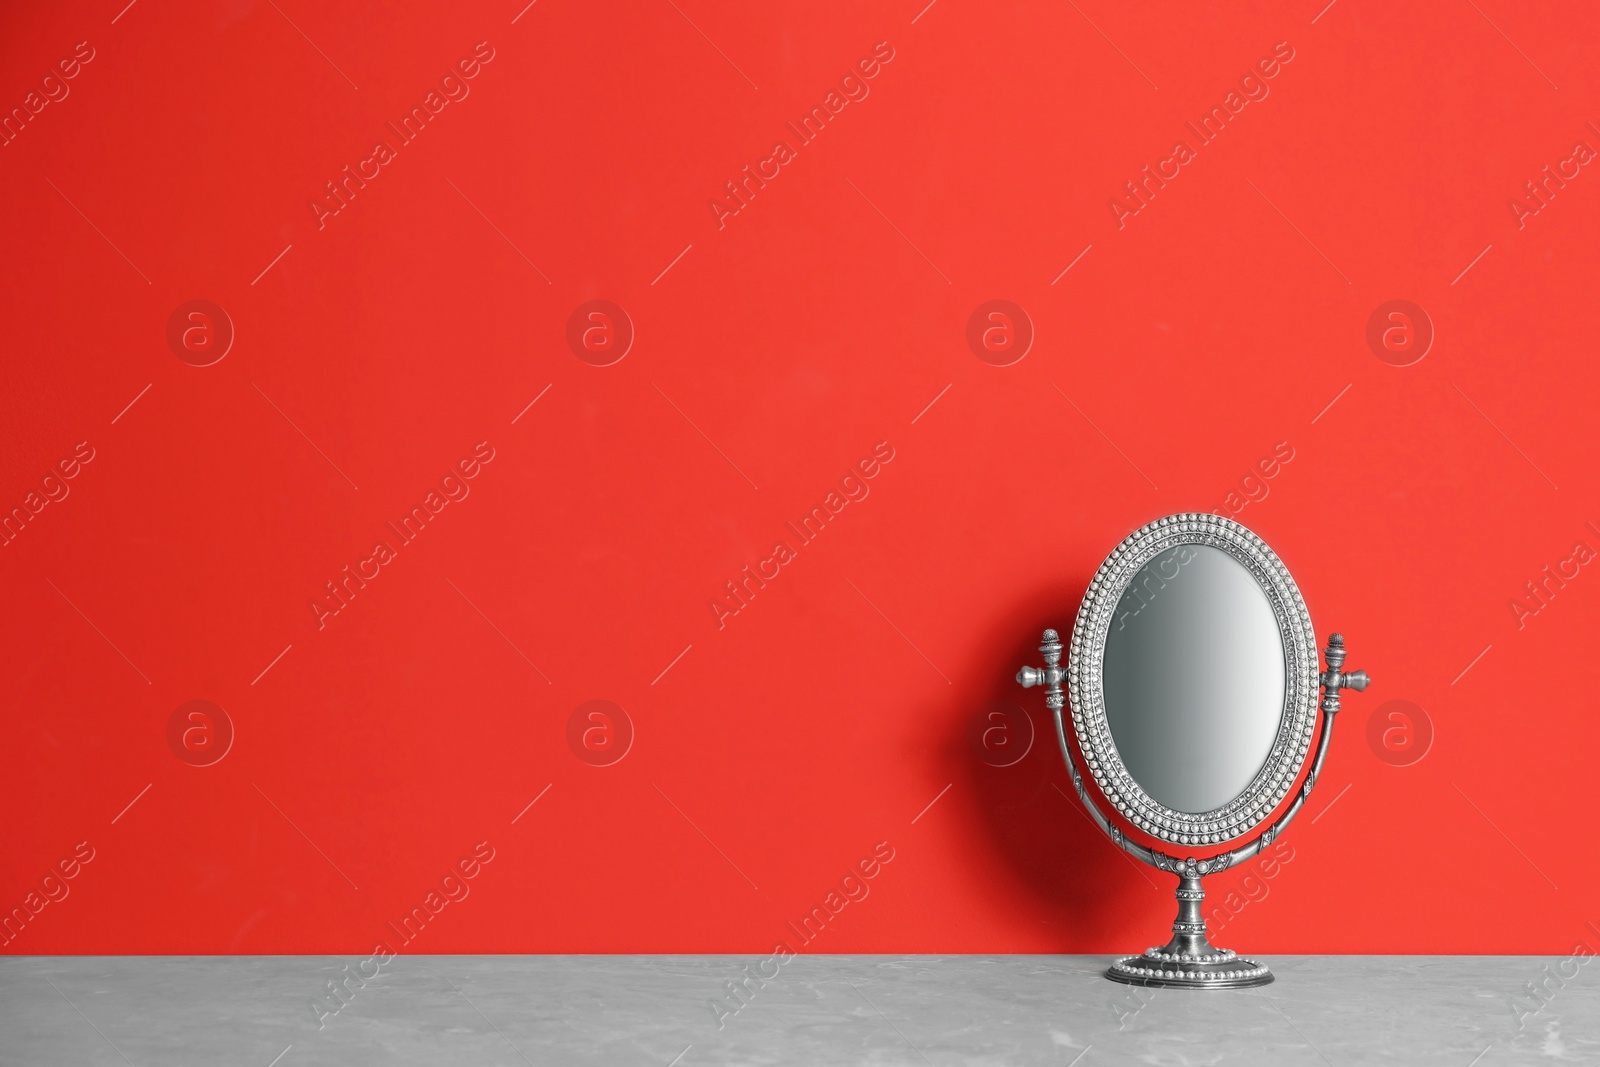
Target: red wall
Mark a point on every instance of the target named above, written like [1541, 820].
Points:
[773, 350]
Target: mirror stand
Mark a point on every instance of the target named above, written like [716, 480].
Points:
[1189, 960]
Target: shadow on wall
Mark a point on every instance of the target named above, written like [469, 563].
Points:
[1095, 895]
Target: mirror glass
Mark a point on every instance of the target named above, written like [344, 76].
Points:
[1194, 676]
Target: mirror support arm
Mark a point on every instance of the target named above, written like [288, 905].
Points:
[1332, 680]
[1051, 677]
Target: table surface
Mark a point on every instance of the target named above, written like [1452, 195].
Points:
[260, 1011]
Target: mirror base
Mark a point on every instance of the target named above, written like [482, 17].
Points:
[1189, 960]
[1235, 972]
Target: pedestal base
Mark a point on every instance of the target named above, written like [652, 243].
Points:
[1189, 960]
[1219, 969]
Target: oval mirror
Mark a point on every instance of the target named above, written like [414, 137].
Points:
[1194, 677]
[1193, 680]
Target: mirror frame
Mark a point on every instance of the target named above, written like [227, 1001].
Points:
[1086, 693]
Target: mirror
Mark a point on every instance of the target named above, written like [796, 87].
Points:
[1193, 683]
[1194, 678]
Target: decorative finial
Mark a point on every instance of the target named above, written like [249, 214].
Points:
[1051, 676]
[1335, 677]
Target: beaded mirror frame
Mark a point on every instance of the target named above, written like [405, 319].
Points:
[1086, 692]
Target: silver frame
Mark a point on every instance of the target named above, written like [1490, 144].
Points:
[1189, 960]
[1086, 693]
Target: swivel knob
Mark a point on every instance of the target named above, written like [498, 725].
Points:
[1028, 677]
[1336, 677]
[1051, 675]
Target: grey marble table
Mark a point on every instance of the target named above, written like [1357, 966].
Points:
[278, 1011]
